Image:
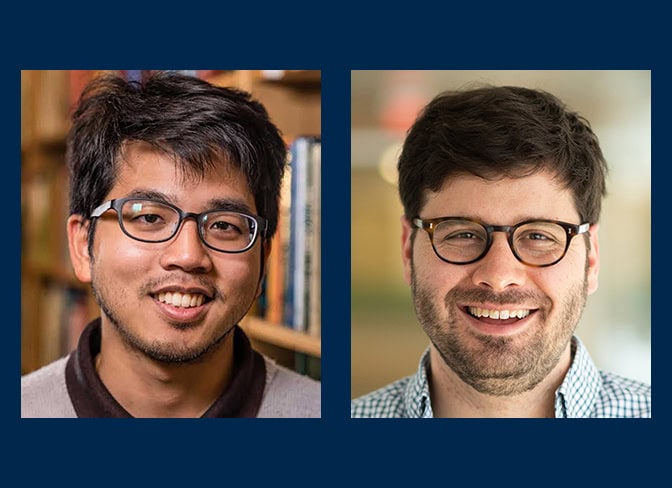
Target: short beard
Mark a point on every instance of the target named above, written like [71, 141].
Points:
[499, 366]
[155, 350]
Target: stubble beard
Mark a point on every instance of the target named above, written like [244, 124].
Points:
[495, 365]
[165, 352]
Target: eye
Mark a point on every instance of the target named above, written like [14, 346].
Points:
[224, 226]
[465, 236]
[149, 218]
[540, 237]
[459, 233]
[536, 236]
[462, 235]
[146, 220]
[147, 213]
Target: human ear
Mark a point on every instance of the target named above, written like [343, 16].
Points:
[593, 260]
[78, 244]
[407, 248]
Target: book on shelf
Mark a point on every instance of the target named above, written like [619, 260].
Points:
[291, 292]
[276, 273]
[315, 242]
[303, 266]
[44, 208]
[27, 108]
[51, 117]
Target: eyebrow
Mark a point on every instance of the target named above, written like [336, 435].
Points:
[225, 203]
[233, 204]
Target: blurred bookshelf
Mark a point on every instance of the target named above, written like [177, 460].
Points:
[55, 305]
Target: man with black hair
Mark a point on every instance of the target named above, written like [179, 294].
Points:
[174, 199]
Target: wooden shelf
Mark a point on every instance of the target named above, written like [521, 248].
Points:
[298, 78]
[55, 272]
[247, 79]
[279, 335]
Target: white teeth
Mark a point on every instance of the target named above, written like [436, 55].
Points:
[498, 314]
[178, 299]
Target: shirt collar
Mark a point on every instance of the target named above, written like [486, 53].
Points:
[581, 387]
[90, 398]
[417, 402]
[576, 396]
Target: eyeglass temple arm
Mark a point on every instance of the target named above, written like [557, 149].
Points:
[583, 228]
[417, 222]
[262, 225]
[101, 209]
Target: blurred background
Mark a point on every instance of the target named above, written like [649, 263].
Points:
[387, 340]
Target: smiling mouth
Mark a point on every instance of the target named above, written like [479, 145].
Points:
[182, 300]
[478, 313]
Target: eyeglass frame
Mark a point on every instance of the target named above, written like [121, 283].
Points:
[572, 230]
[116, 204]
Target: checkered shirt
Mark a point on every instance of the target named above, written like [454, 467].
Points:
[586, 392]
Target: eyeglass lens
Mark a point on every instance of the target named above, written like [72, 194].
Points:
[152, 221]
[536, 243]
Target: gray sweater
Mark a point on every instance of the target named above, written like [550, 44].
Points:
[286, 394]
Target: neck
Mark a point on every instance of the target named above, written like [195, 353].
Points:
[451, 397]
[147, 388]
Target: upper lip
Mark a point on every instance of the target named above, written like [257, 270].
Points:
[183, 289]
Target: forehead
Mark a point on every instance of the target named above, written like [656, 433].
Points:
[502, 201]
[143, 167]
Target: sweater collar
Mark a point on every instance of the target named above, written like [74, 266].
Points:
[91, 399]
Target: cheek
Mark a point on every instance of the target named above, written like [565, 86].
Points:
[433, 276]
[561, 282]
[571, 270]
[239, 270]
[124, 258]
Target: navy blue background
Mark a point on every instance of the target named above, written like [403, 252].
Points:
[335, 449]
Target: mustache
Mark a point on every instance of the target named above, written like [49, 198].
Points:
[508, 297]
[180, 279]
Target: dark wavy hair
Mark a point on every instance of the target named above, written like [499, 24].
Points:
[491, 132]
[198, 124]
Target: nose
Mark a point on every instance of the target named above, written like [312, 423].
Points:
[499, 269]
[186, 250]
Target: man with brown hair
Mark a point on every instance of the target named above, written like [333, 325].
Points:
[502, 190]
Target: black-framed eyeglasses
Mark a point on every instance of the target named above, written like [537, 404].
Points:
[540, 243]
[149, 220]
